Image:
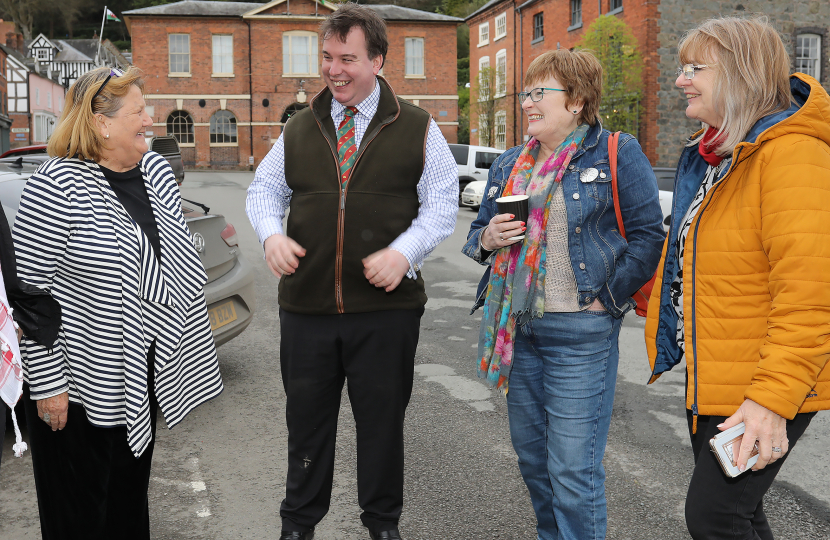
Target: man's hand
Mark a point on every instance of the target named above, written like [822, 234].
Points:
[281, 254]
[57, 407]
[385, 268]
[764, 426]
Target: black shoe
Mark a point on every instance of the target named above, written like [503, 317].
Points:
[294, 535]
[391, 534]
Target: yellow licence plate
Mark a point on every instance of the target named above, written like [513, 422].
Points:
[221, 315]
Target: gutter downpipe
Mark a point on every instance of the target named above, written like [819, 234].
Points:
[250, 92]
[517, 133]
[599, 8]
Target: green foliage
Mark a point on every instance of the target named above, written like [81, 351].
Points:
[485, 105]
[462, 34]
[463, 70]
[463, 115]
[614, 45]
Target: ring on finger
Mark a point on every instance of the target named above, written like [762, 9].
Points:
[47, 418]
[501, 237]
[776, 449]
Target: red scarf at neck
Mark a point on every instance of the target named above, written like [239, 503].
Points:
[707, 146]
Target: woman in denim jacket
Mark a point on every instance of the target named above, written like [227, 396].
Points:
[554, 298]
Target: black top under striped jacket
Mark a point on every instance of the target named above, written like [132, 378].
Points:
[74, 238]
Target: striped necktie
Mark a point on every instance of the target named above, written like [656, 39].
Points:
[346, 149]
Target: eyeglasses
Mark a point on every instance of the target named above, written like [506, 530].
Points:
[113, 73]
[689, 70]
[536, 94]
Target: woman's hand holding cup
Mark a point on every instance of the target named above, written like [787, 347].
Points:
[501, 232]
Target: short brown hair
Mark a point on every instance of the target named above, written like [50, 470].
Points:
[77, 133]
[350, 15]
[580, 74]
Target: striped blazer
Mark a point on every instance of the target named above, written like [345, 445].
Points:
[74, 238]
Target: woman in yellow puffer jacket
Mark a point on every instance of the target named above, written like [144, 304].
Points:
[743, 288]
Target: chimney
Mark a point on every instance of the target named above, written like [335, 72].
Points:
[15, 41]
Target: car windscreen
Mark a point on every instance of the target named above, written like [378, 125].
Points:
[485, 159]
[665, 178]
[459, 152]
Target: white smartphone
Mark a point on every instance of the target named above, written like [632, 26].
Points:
[726, 446]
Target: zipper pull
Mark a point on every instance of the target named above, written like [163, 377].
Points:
[343, 199]
[694, 419]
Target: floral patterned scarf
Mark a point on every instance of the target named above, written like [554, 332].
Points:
[516, 292]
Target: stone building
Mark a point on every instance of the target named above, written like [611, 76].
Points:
[511, 33]
[224, 77]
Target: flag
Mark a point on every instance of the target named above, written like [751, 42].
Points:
[111, 16]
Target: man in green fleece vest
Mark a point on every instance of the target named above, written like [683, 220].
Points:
[372, 189]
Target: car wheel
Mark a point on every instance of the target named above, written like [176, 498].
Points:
[461, 187]
[474, 208]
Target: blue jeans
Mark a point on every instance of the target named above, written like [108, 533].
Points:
[559, 403]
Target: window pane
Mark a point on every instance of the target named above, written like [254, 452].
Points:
[180, 126]
[179, 46]
[299, 54]
[223, 128]
[414, 49]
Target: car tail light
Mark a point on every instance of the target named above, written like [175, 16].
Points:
[229, 236]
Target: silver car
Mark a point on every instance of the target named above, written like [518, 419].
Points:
[229, 291]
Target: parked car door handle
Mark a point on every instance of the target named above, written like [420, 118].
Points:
[476, 172]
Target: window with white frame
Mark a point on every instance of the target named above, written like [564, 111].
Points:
[483, 130]
[179, 47]
[43, 55]
[414, 49]
[501, 26]
[44, 124]
[484, 78]
[299, 53]
[222, 54]
[808, 55]
[576, 12]
[501, 130]
[180, 126]
[223, 128]
[484, 33]
[501, 72]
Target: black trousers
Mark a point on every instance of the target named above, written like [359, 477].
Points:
[89, 484]
[375, 353]
[721, 508]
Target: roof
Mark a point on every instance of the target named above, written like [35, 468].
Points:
[13, 53]
[200, 8]
[76, 50]
[482, 9]
[204, 8]
[399, 13]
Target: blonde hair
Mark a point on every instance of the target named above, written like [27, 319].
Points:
[580, 74]
[77, 132]
[751, 73]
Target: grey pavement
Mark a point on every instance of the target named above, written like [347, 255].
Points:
[220, 474]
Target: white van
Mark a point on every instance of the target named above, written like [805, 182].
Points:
[473, 163]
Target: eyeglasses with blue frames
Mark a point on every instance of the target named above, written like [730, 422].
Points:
[689, 70]
[113, 73]
[536, 94]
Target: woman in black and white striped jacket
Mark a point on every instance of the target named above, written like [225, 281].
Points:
[100, 227]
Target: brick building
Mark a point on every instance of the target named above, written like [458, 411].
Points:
[224, 77]
[520, 30]
[5, 120]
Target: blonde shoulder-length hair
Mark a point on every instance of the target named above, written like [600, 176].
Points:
[77, 133]
[751, 73]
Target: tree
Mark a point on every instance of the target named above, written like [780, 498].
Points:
[615, 46]
[485, 105]
[22, 12]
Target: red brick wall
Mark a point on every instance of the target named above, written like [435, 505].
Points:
[641, 17]
[20, 120]
[150, 46]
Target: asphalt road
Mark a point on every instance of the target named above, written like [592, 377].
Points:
[219, 475]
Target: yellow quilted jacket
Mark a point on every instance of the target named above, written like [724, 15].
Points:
[756, 269]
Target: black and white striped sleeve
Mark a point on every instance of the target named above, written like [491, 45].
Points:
[41, 231]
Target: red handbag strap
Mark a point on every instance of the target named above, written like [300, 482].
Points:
[613, 142]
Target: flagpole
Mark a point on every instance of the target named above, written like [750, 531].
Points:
[100, 35]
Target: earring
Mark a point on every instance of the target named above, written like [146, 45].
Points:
[576, 112]
[107, 136]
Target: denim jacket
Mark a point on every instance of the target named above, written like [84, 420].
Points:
[606, 265]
